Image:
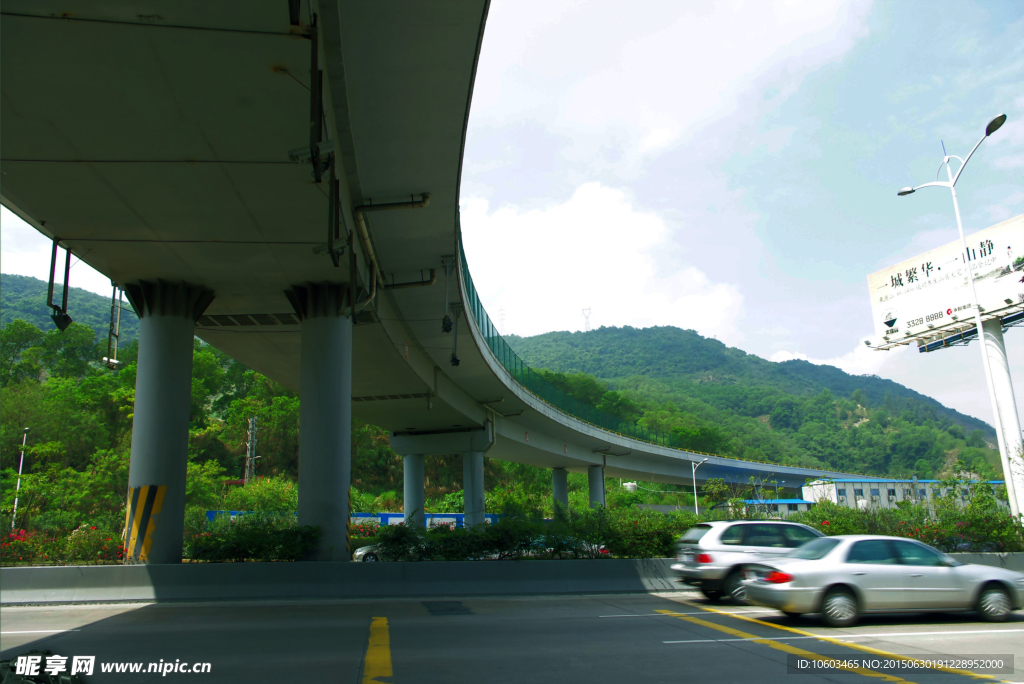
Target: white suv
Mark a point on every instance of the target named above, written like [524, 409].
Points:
[711, 555]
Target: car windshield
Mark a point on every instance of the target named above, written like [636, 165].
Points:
[814, 550]
[694, 534]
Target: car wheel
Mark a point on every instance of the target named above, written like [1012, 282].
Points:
[994, 604]
[839, 608]
[370, 558]
[733, 588]
[792, 615]
[711, 594]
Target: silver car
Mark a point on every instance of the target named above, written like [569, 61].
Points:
[845, 576]
[366, 554]
[711, 555]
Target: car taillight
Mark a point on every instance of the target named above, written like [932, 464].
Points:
[702, 558]
[776, 577]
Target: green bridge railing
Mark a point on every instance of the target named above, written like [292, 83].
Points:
[546, 391]
[543, 388]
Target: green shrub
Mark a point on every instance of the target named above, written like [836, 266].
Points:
[253, 537]
[267, 494]
[402, 543]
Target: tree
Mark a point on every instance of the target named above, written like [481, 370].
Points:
[68, 353]
[15, 338]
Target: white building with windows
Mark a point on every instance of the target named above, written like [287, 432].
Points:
[874, 493]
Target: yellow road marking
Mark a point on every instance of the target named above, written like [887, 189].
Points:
[786, 648]
[838, 642]
[378, 652]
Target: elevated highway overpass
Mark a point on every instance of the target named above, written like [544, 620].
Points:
[282, 180]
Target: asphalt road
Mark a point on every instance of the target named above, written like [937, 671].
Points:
[673, 637]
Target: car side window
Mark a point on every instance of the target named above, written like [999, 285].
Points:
[910, 553]
[872, 552]
[732, 535]
[796, 536]
[763, 535]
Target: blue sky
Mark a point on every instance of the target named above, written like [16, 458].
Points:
[733, 167]
[727, 167]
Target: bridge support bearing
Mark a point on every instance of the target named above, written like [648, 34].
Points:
[473, 487]
[560, 487]
[414, 500]
[163, 385]
[325, 415]
[595, 482]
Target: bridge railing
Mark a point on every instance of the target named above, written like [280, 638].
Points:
[546, 391]
[541, 387]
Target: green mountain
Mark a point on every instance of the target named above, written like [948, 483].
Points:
[719, 399]
[25, 298]
[709, 397]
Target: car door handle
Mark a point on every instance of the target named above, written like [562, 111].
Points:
[917, 574]
[860, 573]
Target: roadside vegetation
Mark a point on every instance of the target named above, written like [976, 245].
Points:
[71, 501]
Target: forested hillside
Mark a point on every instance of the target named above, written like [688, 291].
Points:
[25, 298]
[719, 399]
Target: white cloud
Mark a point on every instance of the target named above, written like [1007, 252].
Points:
[1009, 207]
[604, 76]
[26, 251]
[597, 251]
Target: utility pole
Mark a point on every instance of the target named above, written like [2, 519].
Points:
[14, 516]
[250, 450]
[586, 319]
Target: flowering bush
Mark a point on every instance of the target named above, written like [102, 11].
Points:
[364, 530]
[87, 544]
[980, 526]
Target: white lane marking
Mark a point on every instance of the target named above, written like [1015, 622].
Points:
[849, 636]
[703, 612]
[43, 631]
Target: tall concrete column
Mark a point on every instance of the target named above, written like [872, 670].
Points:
[473, 487]
[595, 482]
[414, 499]
[163, 386]
[1009, 439]
[325, 414]
[560, 487]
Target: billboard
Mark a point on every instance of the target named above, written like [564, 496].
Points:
[922, 296]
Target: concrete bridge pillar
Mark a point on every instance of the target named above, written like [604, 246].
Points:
[414, 499]
[325, 414]
[595, 482]
[473, 487]
[163, 386]
[560, 488]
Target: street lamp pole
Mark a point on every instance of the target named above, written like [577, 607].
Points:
[1014, 489]
[693, 466]
[17, 488]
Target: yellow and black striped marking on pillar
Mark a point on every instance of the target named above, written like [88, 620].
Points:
[143, 503]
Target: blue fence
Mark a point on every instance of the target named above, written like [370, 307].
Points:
[431, 519]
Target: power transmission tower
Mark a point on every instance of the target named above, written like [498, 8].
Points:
[501, 321]
[250, 450]
[586, 320]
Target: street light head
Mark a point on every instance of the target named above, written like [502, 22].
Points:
[704, 461]
[905, 191]
[995, 124]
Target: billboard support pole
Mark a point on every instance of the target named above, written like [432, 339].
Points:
[1013, 492]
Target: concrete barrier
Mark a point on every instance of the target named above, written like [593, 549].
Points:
[218, 581]
[254, 581]
[1010, 561]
